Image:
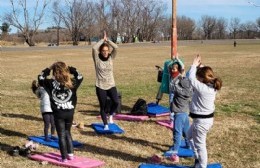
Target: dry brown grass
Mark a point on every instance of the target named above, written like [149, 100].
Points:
[234, 140]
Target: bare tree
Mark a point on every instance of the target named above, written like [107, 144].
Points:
[258, 22]
[29, 21]
[116, 19]
[74, 16]
[57, 18]
[130, 15]
[186, 27]
[5, 28]
[166, 28]
[221, 25]
[258, 26]
[102, 15]
[249, 30]
[208, 24]
[151, 14]
[234, 26]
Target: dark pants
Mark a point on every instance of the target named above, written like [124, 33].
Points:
[48, 120]
[63, 126]
[102, 98]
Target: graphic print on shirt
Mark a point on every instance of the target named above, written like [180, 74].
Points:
[62, 98]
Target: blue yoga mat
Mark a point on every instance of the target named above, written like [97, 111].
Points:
[156, 109]
[183, 151]
[146, 165]
[113, 128]
[54, 143]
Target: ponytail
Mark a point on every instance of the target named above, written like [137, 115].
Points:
[206, 75]
[217, 83]
[34, 86]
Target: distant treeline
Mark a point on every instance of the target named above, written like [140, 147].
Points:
[123, 20]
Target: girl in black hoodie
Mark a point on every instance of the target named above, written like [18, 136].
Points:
[62, 91]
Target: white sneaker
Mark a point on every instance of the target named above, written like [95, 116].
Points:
[111, 119]
[106, 128]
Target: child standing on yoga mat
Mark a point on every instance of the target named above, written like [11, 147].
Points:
[105, 83]
[180, 97]
[205, 85]
[62, 91]
[45, 107]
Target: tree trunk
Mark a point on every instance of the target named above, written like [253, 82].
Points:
[29, 41]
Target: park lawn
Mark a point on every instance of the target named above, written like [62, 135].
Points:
[233, 141]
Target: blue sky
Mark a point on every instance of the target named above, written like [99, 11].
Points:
[219, 8]
[191, 8]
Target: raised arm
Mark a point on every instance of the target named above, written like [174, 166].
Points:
[115, 47]
[43, 75]
[192, 74]
[95, 48]
[77, 76]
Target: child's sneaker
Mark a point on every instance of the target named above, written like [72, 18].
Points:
[106, 127]
[63, 160]
[196, 163]
[156, 159]
[111, 119]
[175, 158]
[70, 156]
[28, 144]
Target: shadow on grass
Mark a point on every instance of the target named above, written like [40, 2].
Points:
[128, 139]
[23, 116]
[111, 153]
[12, 133]
[96, 112]
[5, 147]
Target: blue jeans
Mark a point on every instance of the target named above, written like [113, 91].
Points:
[171, 96]
[181, 127]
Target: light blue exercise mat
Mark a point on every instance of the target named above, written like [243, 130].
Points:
[113, 128]
[54, 141]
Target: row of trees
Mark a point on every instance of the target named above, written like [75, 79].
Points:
[145, 19]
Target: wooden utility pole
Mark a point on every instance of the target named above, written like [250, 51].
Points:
[174, 30]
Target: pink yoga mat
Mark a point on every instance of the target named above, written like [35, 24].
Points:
[160, 115]
[166, 123]
[77, 162]
[129, 117]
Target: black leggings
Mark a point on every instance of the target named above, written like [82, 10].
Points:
[102, 98]
[63, 126]
[48, 119]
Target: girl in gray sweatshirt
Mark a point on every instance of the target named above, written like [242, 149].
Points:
[205, 86]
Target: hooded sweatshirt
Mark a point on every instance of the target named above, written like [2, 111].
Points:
[62, 99]
[182, 95]
[202, 105]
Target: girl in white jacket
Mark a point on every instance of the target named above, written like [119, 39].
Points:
[205, 86]
[45, 107]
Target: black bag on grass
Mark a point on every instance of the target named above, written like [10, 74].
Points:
[140, 107]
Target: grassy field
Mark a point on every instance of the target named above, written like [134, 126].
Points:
[233, 141]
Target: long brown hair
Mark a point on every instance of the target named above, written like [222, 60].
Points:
[206, 75]
[102, 46]
[62, 74]
[34, 86]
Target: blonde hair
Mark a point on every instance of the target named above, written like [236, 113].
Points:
[62, 74]
[206, 75]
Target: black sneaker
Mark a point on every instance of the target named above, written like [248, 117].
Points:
[15, 151]
[196, 162]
